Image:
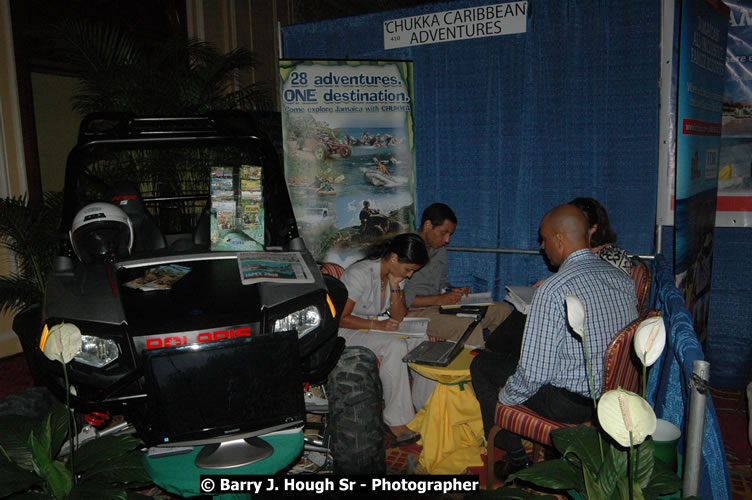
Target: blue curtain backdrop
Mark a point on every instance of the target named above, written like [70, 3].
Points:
[508, 127]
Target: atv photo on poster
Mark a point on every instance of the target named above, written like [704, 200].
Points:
[204, 319]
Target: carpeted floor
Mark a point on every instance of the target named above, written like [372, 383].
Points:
[731, 410]
[730, 406]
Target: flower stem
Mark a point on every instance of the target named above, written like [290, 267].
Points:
[631, 467]
[592, 388]
[644, 374]
[71, 420]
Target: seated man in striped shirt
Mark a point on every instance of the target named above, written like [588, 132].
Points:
[550, 377]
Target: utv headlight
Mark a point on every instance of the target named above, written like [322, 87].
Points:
[96, 351]
[304, 321]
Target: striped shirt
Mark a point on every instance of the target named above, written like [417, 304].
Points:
[551, 353]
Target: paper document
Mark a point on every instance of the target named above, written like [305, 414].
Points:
[520, 297]
[280, 267]
[409, 327]
[159, 278]
[473, 299]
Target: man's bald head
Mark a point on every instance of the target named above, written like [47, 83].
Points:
[563, 230]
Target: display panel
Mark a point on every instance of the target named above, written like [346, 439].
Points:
[225, 390]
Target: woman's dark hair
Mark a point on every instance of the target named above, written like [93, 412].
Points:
[408, 247]
[596, 214]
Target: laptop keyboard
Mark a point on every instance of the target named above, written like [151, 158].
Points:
[433, 349]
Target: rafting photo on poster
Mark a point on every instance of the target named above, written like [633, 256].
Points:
[347, 131]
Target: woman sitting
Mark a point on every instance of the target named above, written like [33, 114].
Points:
[375, 287]
[602, 237]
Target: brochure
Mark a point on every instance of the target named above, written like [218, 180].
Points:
[473, 299]
[409, 327]
[159, 278]
[520, 297]
[237, 209]
[282, 267]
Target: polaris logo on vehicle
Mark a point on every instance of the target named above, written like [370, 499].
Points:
[190, 338]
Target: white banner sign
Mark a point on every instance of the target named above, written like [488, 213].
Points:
[460, 24]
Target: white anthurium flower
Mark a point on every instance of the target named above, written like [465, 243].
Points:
[650, 339]
[621, 412]
[576, 314]
[63, 342]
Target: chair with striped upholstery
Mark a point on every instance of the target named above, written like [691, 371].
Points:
[620, 369]
[331, 269]
[642, 278]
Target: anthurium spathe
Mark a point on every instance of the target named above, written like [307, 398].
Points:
[623, 412]
[576, 314]
[63, 342]
[650, 339]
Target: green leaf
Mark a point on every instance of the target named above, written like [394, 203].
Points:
[126, 469]
[593, 488]
[621, 490]
[31, 495]
[663, 481]
[507, 494]
[98, 490]
[41, 436]
[58, 477]
[14, 479]
[645, 460]
[555, 474]
[14, 440]
[582, 441]
[613, 469]
[97, 451]
[58, 417]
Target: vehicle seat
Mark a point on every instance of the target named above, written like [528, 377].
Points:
[146, 234]
[201, 232]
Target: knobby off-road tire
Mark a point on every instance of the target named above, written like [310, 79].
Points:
[355, 421]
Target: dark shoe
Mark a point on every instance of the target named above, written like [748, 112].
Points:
[503, 469]
[406, 438]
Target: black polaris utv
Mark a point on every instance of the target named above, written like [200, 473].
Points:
[223, 349]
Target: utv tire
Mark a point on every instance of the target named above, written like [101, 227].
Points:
[355, 422]
[345, 152]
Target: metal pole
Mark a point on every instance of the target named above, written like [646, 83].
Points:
[695, 427]
[523, 251]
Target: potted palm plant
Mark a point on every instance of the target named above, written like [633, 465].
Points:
[29, 234]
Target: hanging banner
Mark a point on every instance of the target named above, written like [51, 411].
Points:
[347, 131]
[702, 50]
[735, 176]
[451, 25]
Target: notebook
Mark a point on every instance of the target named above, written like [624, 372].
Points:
[440, 353]
[472, 299]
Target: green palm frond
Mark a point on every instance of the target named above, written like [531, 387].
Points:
[171, 77]
[16, 292]
[30, 234]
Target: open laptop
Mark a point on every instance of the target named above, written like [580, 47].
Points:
[440, 353]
